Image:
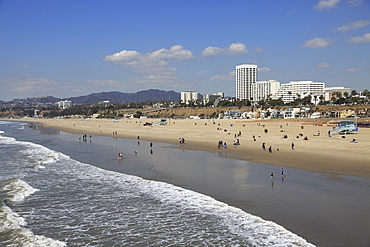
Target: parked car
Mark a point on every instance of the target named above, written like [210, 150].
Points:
[147, 124]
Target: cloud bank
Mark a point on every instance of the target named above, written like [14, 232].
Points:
[318, 43]
[233, 49]
[352, 26]
[323, 65]
[360, 39]
[353, 70]
[155, 65]
[155, 62]
[228, 77]
[326, 4]
[29, 85]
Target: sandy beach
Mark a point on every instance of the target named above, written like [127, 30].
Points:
[334, 155]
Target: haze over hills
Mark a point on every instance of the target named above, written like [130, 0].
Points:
[113, 97]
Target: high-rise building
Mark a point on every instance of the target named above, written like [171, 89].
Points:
[246, 77]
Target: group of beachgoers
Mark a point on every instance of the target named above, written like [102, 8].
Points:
[221, 144]
[182, 141]
[84, 138]
[120, 155]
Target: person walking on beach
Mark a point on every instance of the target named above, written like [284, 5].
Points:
[151, 144]
[277, 148]
[272, 178]
[263, 147]
[292, 145]
[282, 174]
[270, 150]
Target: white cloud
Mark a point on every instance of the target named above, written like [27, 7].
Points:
[258, 50]
[29, 85]
[265, 69]
[152, 63]
[233, 49]
[228, 77]
[360, 39]
[212, 51]
[26, 67]
[355, 3]
[237, 48]
[353, 70]
[353, 25]
[318, 43]
[323, 65]
[326, 4]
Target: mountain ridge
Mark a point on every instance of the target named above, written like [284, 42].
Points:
[114, 97]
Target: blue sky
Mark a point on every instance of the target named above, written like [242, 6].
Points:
[67, 48]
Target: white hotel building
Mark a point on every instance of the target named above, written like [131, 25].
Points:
[246, 77]
[299, 89]
[247, 87]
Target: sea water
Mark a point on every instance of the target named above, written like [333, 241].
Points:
[49, 199]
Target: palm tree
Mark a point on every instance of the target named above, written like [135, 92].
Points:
[321, 98]
[290, 95]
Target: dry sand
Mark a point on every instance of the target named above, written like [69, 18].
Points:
[332, 155]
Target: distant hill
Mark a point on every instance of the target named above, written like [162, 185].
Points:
[118, 97]
[114, 97]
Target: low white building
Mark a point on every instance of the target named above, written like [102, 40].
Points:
[189, 96]
[329, 91]
[64, 104]
[299, 89]
[262, 90]
[212, 97]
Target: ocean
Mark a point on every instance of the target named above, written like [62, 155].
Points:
[75, 192]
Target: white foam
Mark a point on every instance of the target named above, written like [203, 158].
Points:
[258, 231]
[13, 233]
[261, 232]
[10, 219]
[18, 190]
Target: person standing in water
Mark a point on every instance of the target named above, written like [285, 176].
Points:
[282, 174]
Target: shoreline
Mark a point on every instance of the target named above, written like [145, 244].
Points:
[333, 155]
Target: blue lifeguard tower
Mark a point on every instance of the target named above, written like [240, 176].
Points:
[344, 127]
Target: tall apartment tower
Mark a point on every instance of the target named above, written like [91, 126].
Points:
[246, 77]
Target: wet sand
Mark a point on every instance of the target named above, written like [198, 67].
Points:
[334, 155]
